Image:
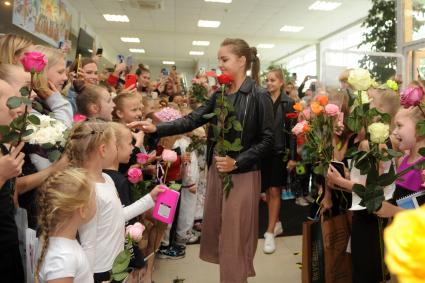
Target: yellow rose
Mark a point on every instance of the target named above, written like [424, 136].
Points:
[392, 85]
[379, 132]
[360, 79]
[405, 246]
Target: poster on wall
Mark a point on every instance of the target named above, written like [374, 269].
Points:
[49, 20]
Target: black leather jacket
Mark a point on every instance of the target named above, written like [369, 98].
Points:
[254, 110]
[282, 127]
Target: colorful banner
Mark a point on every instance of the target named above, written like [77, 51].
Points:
[49, 20]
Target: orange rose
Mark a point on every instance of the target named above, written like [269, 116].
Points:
[306, 128]
[322, 99]
[316, 108]
[298, 107]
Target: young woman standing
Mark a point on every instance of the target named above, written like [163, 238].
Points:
[274, 169]
[230, 230]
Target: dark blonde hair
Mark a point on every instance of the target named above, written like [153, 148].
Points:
[87, 94]
[241, 48]
[119, 103]
[12, 46]
[118, 130]
[85, 138]
[58, 198]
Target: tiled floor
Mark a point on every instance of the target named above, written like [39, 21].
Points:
[276, 268]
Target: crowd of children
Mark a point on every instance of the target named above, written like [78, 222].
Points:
[81, 204]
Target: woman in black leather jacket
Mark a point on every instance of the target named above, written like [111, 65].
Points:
[230, 227]
[274, 169]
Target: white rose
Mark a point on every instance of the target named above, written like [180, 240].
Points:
[45, 121]
[360, 79]
[379, 132]
[44, 135]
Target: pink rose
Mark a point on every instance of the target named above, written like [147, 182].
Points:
[411, 96]
[307, 113]
[134, 175]
[33, 62]
[135, 231]
[142, 158]
[79, 118]
[168, 114]
[169, 155]
[298, 129]
[332, 109]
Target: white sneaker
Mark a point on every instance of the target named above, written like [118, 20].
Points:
[278, 229]
[269, 244]
[301, 201]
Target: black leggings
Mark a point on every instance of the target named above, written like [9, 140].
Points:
[11, 268]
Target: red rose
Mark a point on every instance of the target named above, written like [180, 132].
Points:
[33, 62]
[291, 115]
[225, 79]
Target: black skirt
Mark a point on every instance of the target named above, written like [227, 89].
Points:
[273, 171]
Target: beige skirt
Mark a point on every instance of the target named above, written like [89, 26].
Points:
[230, 226]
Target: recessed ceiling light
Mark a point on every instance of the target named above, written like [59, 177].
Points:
[220, 1]
[137, 50]
[7, 3]
[208, 24]
[324, 5]
[90, 50]
[130, 39]
[265, 45]
[168, 62]
[196, 53]
[116, 18]
[291, 28]
[201, 43]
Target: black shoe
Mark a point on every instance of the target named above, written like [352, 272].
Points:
[172, 252]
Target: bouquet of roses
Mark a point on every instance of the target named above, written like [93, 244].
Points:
[316, 131]
[50, 134]
[199, 90]
[120, 269]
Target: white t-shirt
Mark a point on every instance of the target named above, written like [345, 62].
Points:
[361, 179]
[103, 237]
[65, 258]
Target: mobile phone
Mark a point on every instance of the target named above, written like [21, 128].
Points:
[78, 63]
[313, 77]
[99, 51]
[129, 61]
[165, 72]
[120, 58]
[340, 167]
[130, 79]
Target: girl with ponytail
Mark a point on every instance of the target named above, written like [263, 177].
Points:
[230, 226]
[66, 201]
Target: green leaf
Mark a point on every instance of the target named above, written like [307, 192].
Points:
[394, 153]
[320, 170]
[11, 136]
[120, 276]
[14, 102]
[216, 131]
[26, 101]
[372, 175]
[175, 186]
[37, 106]
[236, 145]
[27, 132]
[237, 125]
[34, 119]
[227, 145]
[359, 190]
[373, 197]
[388, 178]
[209, 116]
[24, 91]
[54, 155]
[422, 151]
[4, 130]
[420, 128]
[18, 123]
[121, 262]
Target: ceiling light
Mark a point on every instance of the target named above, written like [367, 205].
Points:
[196, 53]
[137, 50]
[90, 50]
[200, 43]
[116, 18]
[220, 1]
[7, 3]
[265, 45]
[168, 62]
[291, 28]
[130, 39]
[208, 24]
[324, 5]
